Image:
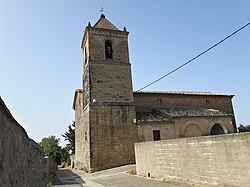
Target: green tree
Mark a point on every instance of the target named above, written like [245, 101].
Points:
[243, 128]
[65, 154]
[70, 136]
[51, 148]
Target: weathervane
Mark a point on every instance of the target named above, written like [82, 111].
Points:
[102, 10]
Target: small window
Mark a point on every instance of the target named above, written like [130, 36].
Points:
[156, 135]
[86, 135]
[207, 103]
[108, 50]
[159, 101]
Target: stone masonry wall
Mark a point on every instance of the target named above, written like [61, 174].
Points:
[147, 102]
[111, 82]
[21, 159]
[119, 40]
[221, 159]
[144, 102]
[82, 154]
[113, 135]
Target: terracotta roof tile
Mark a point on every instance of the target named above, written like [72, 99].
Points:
[104, 23]
[149, 117]
[166, 114]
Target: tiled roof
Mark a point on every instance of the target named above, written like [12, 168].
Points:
[104, 23]
[149, 117]
[177, 112]
[181, 93]
[166, 114]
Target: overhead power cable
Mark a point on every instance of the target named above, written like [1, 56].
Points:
[202, 53]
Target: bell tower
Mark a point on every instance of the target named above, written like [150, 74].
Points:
[105, 130]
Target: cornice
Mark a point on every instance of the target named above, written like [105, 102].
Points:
[109, 62]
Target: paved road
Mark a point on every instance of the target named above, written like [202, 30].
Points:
[67, 178]
[116, 177]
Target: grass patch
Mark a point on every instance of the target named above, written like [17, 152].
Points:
[85, 169]
[132, 172]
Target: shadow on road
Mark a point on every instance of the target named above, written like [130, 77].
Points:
[66, 177]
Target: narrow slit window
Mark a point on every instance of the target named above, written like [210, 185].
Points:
[108, 50]
[85, 55]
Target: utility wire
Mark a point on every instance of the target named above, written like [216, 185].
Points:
[202, 53]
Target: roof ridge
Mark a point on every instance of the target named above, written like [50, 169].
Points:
[182, 93]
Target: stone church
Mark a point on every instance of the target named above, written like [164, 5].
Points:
[110, 117]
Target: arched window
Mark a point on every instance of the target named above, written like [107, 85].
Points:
[218, 129]
[192, 130]
[108, 50]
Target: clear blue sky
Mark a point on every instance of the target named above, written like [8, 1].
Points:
[41, 59]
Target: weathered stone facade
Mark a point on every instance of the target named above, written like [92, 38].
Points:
[110, 117]
[112, 136]
[82, 132]
[21, 159]
[105, 132]
[183, 114]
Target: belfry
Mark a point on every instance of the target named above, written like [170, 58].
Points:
[105, 131]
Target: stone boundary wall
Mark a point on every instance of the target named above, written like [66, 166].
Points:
[51, 165]
[221, 159]
[21, 159]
